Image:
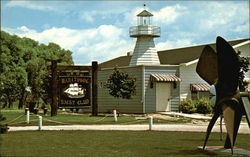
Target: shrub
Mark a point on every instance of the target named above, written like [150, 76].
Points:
[187, 106]
[203, 106]
[3, 127]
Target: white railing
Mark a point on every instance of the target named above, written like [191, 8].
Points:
[141, 30]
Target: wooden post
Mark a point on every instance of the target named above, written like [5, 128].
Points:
[54, 104]
[28, 117]
[40, 122]
[94, 88]
[150, 122]
[115, 115]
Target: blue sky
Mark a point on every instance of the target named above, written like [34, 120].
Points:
[98, 30]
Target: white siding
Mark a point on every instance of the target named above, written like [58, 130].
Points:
[150, 93]
[188, 76]
[145, 52]
[107, 103]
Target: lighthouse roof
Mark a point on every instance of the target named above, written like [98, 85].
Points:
[145, 13]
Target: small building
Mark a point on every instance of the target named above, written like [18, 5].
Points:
[163, 78]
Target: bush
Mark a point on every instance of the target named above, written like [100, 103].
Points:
[187, 106]
[203, 106]
[3, 127]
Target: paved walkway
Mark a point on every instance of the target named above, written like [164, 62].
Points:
[193, 116]
[244, 129]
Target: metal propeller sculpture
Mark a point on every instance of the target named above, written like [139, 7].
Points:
[222, 69]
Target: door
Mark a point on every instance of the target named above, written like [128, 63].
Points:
[163, 95]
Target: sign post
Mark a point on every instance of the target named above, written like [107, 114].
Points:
[94, 89]
[74, 87]
[54, 105]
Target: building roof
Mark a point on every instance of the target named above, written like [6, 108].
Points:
[201, 87]
[145, 13]
[116, 62]
[187, 54]
[169, 57]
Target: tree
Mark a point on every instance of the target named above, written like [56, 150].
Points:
[26, 63]
[244, 67]
[3, 127]
[121, 85]
[13, 76]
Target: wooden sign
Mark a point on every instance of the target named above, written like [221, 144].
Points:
[74, 87]
[74, 91]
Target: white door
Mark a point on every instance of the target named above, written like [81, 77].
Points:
[163, 95]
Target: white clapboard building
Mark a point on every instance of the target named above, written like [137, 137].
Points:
[163, 78]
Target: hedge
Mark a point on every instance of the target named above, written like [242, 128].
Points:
[202, 106]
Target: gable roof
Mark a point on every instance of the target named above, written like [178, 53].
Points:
[169, 57]
[187, 54]
[145, 13]
[116, 62]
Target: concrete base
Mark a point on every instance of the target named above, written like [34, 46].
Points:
[238, 152]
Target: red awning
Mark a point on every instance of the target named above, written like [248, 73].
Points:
[201, 87]
[165, 78]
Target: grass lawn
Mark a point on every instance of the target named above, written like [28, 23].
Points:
[110, 144]
[63, 118]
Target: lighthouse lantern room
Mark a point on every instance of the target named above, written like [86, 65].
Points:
[145, 52]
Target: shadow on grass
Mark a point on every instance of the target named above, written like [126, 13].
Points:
[193, 153]
[197, 152]
[21, 156]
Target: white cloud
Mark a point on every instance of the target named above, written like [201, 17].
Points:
[101, 44]
[130, 17]
[30, 5]
[88, 16]
[203, 21]
[170, 44]
[242, 28]
[224, 16]
[168, 14]
[183, 24]
[106, 10]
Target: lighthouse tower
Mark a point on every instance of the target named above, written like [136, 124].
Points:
[145, 52]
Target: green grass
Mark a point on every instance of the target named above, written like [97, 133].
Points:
[67, 119]
[111, 144]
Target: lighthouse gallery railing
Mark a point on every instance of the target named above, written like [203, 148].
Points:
[144, 30]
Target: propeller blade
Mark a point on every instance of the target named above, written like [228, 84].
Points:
[237, 120]
[211, 125]
[207, 65]
[229, 116]
[228, 67]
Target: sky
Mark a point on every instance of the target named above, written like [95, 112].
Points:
[99, 30]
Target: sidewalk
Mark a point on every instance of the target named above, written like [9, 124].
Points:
[244, 129]
[193, 116]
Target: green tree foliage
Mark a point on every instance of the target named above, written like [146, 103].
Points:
[26, 63]
[3, 127]
[244, 67]
[203, 106]
[187, 106]
[121, 85]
